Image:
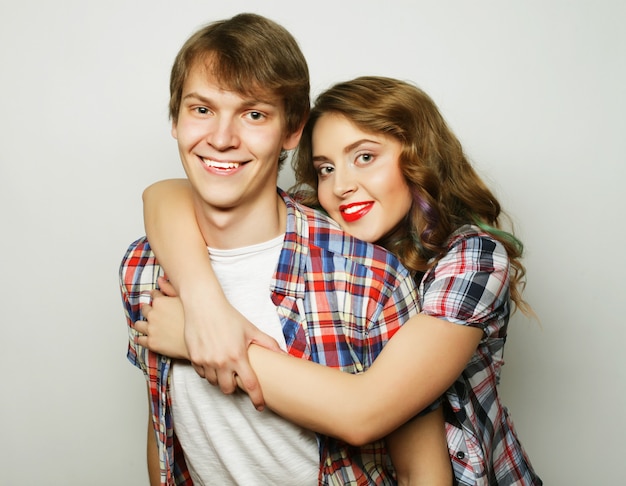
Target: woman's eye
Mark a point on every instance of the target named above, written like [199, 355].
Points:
[365, 158]
[324, 170]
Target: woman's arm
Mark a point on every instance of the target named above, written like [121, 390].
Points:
[419, 451]
[217, 347]
[415, 367]
[417, 448]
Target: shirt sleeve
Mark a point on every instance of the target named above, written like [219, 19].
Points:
[138, 274]
[470, 284]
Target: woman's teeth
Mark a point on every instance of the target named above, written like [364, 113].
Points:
[354, 209]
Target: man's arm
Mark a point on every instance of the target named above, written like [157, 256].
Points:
[419, 451]
[154, 467]
[135, 286]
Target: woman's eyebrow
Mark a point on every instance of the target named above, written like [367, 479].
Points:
[352, 146]
[347, 149]
[320, 158]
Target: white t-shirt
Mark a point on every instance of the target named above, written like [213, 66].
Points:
[224, 438]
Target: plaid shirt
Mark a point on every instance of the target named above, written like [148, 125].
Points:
[470, 286]
[339, 300]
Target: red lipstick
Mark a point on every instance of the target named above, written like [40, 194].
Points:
[355, 211]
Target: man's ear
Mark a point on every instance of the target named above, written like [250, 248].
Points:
[291, 141]
[174, 132]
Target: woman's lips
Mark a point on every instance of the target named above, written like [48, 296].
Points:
[355, 211]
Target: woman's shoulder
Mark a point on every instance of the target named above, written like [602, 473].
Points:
[470, 283]
[469, 231]
[475, 241]
[472, 254]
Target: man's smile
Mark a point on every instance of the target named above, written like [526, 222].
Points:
[219, 165]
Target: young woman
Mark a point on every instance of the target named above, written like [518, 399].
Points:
[377, 155]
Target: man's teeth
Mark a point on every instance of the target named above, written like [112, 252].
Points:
[354, 209]
[220, 165]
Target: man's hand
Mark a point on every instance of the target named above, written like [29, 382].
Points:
[217, 337]
[163, 329]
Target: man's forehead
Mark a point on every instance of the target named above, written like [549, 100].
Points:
[245, 87]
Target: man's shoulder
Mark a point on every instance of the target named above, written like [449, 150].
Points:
[325, 235]
[139, 266]
[371, 275]
[138, 254]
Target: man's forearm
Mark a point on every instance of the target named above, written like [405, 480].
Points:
[152, 451]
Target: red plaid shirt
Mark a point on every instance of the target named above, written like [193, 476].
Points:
[339, 299]
[470, 286]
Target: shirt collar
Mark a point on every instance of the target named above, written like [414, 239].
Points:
[289, 274]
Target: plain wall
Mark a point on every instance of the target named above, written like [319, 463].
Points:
[535, 90]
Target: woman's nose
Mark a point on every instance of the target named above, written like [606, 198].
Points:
[343, 183]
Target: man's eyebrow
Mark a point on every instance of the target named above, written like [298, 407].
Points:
[247, 102]
[253, 100]
[194, 95]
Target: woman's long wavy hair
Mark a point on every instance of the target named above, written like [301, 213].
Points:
[447, 192]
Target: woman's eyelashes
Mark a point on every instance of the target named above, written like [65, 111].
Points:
[364, 158]
[324, 170]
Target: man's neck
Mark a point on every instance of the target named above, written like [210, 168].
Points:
[244, 225]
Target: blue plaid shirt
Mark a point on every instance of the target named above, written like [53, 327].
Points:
[339, 300]
[470, 286]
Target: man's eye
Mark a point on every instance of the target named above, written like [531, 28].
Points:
[256, 115]
[202, 110]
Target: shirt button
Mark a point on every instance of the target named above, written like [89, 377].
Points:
[460, 455]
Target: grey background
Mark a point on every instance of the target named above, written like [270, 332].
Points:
[535, 90]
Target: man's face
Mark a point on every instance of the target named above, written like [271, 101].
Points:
[229, 143]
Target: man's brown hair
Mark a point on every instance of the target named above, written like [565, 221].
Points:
[247, 54]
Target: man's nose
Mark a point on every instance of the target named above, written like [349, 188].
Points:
[223, 134]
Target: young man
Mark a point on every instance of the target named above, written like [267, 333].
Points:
[239, 98]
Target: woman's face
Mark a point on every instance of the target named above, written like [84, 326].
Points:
[359, 179]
